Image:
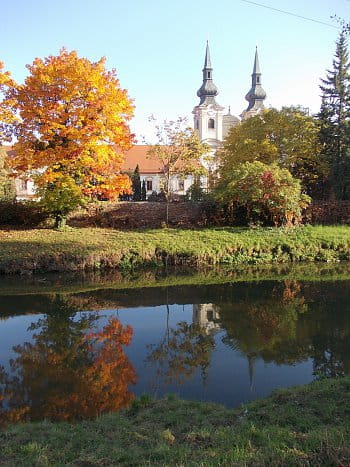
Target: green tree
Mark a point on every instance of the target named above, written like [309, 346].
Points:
[143, 191]
[7, 185]
[59, 198]
[195, 192]
[179, 152]
[334, 120]
[288, 137]
[136, 185]
[267, 192]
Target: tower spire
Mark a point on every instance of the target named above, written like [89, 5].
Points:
[256, 68]
[256, 95]
[207, 61]
[208, 90]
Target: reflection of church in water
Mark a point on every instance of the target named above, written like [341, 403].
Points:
[206, 316]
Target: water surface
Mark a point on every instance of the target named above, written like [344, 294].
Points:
[67, 356]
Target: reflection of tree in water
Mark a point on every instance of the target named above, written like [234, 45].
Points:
[266, 327]
[289, 323]
[181, 351]
[331, 346]
[70, 371]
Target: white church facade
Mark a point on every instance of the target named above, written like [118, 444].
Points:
[210, 120]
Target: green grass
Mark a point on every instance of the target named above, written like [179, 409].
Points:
[45, 250]
[308, 425]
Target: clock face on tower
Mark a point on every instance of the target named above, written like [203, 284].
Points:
[211, 111]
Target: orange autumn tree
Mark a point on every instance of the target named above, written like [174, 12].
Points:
[7, 116]
[73, 115]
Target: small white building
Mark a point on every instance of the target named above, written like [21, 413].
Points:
[151, 172]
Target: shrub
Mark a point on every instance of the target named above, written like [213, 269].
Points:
[157, 197]
[22, 213]
[267, 193]
[60, 197]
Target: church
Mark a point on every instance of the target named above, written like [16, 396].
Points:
[209, 118]
[210, 121]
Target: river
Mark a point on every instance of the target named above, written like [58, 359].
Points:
[68, 351]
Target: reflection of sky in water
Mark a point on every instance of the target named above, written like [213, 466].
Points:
[14, 331]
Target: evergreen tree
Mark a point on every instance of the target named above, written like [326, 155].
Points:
[334, 118]
[136, 185]
[143, 191]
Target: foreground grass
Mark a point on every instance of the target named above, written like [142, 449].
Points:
[45, 250]
[309, 425]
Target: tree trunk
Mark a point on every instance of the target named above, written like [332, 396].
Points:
[60, 222]
[167, 212]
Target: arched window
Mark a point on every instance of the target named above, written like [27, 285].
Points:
[211, 123]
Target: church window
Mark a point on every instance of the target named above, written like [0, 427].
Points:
[257, 79]
[211, 123]
[197, 125]
[181, 185]
[149, 185]
[209, 74]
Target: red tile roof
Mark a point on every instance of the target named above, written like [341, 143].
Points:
[138, 155]
[135, 155]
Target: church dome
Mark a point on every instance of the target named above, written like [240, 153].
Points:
[256, 92]
[208, 88]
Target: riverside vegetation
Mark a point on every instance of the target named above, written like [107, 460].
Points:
[307, 425]
[45, 250]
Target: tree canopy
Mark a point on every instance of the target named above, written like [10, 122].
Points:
[7, 115]
[288, 137]
[179, 152]
[178, 149]
[72, 125]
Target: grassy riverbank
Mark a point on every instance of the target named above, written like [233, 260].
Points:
[308, 425]
[45, 250]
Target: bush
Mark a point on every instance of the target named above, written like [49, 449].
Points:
[60, 197]
[265, 193]
[195, 192]
[22, 213]
[157, 197]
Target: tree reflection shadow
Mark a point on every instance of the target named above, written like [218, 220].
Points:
[181, 351]
[278, 324]
[71, 370]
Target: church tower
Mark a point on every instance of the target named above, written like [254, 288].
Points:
[208, 114]
[256, 95]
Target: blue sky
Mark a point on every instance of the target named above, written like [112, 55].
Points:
[157, 47]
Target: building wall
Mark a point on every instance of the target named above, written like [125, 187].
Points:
[25, 189]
